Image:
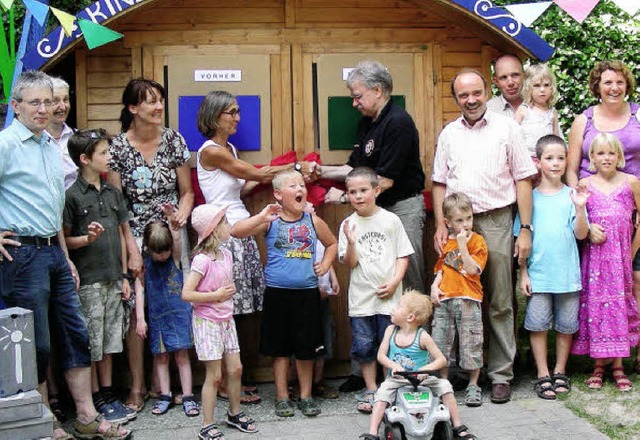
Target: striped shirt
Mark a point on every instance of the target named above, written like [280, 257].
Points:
[483, 161]
[500, 105]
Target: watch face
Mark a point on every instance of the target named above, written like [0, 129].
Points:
[297, 167]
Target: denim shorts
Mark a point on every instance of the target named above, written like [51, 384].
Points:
[367, 333]
[39, 279]
[559, 310]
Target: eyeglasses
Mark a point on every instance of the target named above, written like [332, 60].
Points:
[233, 113]
[36, 103]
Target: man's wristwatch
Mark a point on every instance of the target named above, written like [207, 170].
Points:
[297, 167]
[529, 227]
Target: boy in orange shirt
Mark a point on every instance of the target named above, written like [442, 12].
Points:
[457, 293]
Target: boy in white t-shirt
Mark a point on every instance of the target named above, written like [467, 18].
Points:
[374, 244]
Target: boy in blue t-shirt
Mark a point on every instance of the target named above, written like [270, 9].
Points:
[559, 217]
[408, 347]
[291, 324]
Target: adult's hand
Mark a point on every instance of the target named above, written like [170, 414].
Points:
[523, 247]
[334, 195]
[440, 238]
[308, 170]
[597, 235]
[4, 241]
[74, 273]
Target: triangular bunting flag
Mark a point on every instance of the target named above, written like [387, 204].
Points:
[66, 20]
[96, 35]
[6, 4]
[631, 7]
[578, 9]
[527, 13]
[38, 10]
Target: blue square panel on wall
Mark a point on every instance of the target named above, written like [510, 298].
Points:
[247, 138]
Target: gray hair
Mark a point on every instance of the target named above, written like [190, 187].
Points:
[59, 83]
[209, 112]
[371, 74]
[28, 80]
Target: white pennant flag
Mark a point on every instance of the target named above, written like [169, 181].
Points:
[631, 7]
[527, 13]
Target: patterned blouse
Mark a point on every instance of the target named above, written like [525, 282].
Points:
[148, 186]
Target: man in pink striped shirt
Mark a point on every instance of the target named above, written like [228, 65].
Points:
[482, 154]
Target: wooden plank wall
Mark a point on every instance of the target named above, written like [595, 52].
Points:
[301, 28]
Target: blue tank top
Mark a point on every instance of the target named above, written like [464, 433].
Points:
[291, 247]
[411, 358]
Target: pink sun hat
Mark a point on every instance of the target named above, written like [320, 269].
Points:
[205, 218]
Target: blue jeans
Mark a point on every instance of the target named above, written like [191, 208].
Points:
[367, 334]
[39, 279]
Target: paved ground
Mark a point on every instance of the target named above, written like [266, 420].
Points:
[526, 417]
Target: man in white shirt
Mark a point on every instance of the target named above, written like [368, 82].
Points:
[482, 154]
[507, 76]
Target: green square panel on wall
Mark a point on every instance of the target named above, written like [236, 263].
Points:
[343, 121]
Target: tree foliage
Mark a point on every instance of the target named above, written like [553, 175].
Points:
[608, 33]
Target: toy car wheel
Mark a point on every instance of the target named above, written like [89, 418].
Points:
[393, 431]
[443, 431]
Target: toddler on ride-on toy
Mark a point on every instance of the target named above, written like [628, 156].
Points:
[408, 347]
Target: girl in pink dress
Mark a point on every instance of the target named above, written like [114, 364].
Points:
[608, 314]
[210, 288]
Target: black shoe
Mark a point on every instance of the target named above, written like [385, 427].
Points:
[353, 383]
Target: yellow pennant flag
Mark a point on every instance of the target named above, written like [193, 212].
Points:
[66, 20]
[6, 4]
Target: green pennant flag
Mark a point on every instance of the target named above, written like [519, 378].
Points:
[95, 34]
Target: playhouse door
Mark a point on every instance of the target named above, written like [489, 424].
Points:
[191, 77]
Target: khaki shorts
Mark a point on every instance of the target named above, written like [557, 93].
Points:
[102, 307]
[461, 317]
[389, 388]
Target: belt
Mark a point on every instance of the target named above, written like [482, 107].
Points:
[36, 241]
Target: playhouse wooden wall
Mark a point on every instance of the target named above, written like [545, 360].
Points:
[294, 33]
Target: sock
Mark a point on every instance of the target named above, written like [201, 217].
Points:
[97, 399]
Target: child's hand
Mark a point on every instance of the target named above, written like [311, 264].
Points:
[94, 230]
[525, 283]
[141, 328]
[225, 293]
[126, 290]
[397, 368]
[423, 376]
[319, 269]
[349, 231]
[580, 195]
[270, 212]
[335, 285]
[597, 235]
[436, 295]
[463, 238]
[386, 291]
[174, 217]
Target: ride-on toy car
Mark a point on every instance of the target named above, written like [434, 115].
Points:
[417, 413]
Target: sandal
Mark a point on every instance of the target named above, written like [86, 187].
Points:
[91, 430]
[242, 422]
[246, 398]
[190, 406]
[544, 388]
[324, 391]
[309, 407]
[622, 381]
[365, 402]
[595, 380]
[284, 408]
[561, 383]
[58, 426]
[135, 401]
[162, 405]
[210, 432]
[463, 432]
[474, 396]
[56, 407]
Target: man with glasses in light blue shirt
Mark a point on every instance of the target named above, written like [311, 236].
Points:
[35, 271]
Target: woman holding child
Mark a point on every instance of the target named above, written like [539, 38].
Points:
[612, 83]
[149, 164]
